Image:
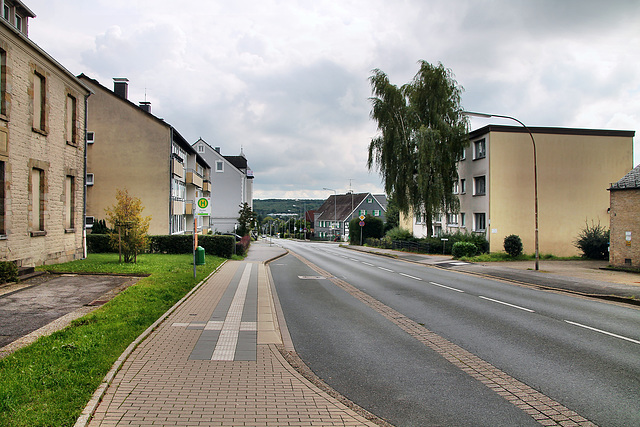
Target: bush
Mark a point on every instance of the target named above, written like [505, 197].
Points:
[463, 249]
[398, 233]
[98, 244]
[593, 241]
[221, 246]
[373, 227]
[8, 272]
[100, 227]
[513, 245]
[243, 245]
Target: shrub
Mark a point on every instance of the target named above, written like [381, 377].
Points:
[463, 249]
[513, 245]
[243, 245]
[100, 227]
[373, 227]
[593, 241]
[8, 272]
[98, 244]
[398, 233]
[221, 246]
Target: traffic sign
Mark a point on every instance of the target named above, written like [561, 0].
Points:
[362, 217]
[361, 223]
[203, 206]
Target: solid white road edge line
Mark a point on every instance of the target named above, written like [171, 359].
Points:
[506, 303]
[603, 332]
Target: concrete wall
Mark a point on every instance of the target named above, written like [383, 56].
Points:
[625, 228]
[22, 148]
[132, 150]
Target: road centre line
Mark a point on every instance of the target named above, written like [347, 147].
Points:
[411, 277]
[506, 303]
[446, 287]
[366, 263]
[603, 332]
[385, 269]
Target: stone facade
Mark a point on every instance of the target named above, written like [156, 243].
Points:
[42, 148]
[625, 221]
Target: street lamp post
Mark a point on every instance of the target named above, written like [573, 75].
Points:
[535, 171]
[335, 209]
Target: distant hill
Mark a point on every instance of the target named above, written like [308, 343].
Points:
[273, 207]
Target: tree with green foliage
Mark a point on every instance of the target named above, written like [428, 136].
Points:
[373, 227]
[129, 227]
[422, 135]
[247, 220]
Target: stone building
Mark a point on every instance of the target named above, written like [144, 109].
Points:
[42, 148]
[625, 221]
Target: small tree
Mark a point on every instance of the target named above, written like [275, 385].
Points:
[247, 219]
[373, 227]
[593, 241]
[513, 245]
[130, 228]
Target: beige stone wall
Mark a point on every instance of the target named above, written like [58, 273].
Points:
[625, 208]
[132, 151]
[47, 150]
[574, 173]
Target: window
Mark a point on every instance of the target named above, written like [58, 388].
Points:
[200, 148]
[178, 224]
[19, 22]
[362, 212]
[3, 81]
[2, 220]
[480, 149]
[376, 213]
[419, 219]
[452, 219]
[199, 170]
[178, 189]
[91, 137]
[88, 222]
[69, 202]
[463, 219]
[369, 200]
[437, 217]
[89, 179]
[464, 154]
[178, 151]
[39, 99]
[480, 222]
[219, 166]
[480, 187]
[456, 188]
[463, 186]
[37, 200]
[71, 120]
[5, 12]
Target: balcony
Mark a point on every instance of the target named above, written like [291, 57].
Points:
[177, 168]
[193, 178]
[177, 207]
[206, 186]
[188, 207]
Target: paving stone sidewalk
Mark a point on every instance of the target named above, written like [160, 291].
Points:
[214, 361]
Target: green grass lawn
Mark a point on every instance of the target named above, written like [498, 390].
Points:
[49, 382]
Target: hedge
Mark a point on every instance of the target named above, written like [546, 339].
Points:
[216, 245]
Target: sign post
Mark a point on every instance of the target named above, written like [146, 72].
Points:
[203, 208]
[362, 217]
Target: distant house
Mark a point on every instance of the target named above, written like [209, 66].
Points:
[42, 148]
[130, 148]
[496, 185]
[332, 218]
[625, 221]
[231, 186]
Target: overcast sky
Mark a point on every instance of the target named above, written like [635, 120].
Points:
[287, 81]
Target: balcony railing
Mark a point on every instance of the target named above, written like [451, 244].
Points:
[193, 178]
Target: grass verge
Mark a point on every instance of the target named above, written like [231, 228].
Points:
[503, 256]
[49, 382]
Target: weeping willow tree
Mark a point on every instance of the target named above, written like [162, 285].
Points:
[422, 135]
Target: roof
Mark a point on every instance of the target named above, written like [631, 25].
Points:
[630, 180]
[551, 131]
[344, 205]
[240, 162]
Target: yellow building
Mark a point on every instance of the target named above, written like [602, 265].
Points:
[42, 146]
[496, 185]
[130, 148]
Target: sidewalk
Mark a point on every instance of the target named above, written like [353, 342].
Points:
[213, 360]
[580, 277]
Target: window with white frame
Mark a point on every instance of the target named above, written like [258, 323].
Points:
[480, 222]
[178, 189]
[452, 219]
[219, 166]
[479, 149]
[479, 186]
[463, 219]
[178, 151]
[419, 218]
[456, 187]
[89, 179]
[200, 148]
[88, 222]
[91, 137]
[463, 186]
[376, 213]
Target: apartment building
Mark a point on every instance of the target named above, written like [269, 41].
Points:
[130, 148]
[332, 218]
[496, 185]
[231, 186]
[42, 149]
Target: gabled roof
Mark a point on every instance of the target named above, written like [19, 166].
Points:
[344, 205]
[630, 180]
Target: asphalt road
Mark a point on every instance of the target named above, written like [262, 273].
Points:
[583, 354]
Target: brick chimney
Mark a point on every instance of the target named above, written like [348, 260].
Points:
[121, 87]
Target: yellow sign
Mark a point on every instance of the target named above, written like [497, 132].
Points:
[362, 217]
